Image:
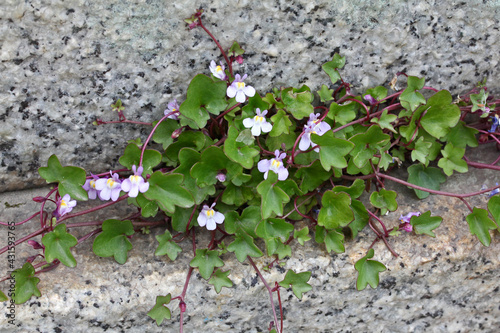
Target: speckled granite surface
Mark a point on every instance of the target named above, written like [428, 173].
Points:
[444, 284]
[63, 63]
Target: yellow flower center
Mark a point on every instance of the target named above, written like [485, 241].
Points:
[258, 119]
[240, 85]
[134, 179]
[210, 213]
[275, 163]
[110, 182]
[218, 69]
[92, 184]
[63, 203]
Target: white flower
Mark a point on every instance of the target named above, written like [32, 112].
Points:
[173, 110]
[135, 184]
[210, 217]
[258, 123]
[313, 126]
[218, 71]
[65, 205]
[109, 187]
[275, 165]
[238, 89]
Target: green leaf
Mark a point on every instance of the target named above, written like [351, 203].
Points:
[440, 115]
[165, 189]
[385, 121]
[281, 124]
[160, 312]
[430, 178]
[167, 246]
[425, 223]
[298, 101]
[332, 150]
[335, 211]
[462, 136]
[325, 94]
[235, 50]
[244, 246]
[378, 92]
[312, 176]
[212, 161]
[273, 196]
[334, 240]
[237, 151]
[70, 178]
[3, 297]
[367, 144]
[494, 208]
[331, 67]
[452, 159]
[148, 208]
[26, 283]
[274, 228]
[302, 235]
[479, 100]
[385, 200]
[410, 98]
[343, 113]
[479, 224]
[360, 217]
[237, 195]
[298, 281]
[163, 133]
[187, 139]
[58, 244]
[219, 279]
[421, 151]
[180, 219]
[204, 95]
[355, 190]
[132, 156]
[368, 271]
[248, 221]
[113, 241]
[206, 261]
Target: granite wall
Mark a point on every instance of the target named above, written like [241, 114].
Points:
[63, 63]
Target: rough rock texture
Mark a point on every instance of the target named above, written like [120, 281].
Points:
[64, 62]
[443, 284]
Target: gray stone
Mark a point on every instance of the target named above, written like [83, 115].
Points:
[64, 63]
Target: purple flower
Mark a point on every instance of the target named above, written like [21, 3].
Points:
[135, 184]
[238, 89]
[210, 217]
[64, 205]
[405, 221]
[109, 187]
[314, 125]
[495, 191]
[173, 109]
[495, 124]
[221, 177]
[369, 98]
[258, 123]
[275, 165]
[89, 186]
[218, 71]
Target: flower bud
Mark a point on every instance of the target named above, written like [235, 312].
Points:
[39, 199]
[35, 245]
[182, 306]
[176, 133]
[221, 177]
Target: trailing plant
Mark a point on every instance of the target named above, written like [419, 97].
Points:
[245, 167]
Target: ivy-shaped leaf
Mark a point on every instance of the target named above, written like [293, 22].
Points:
[298, 281]
[298, 101]
[163, 133]
[343, 113]
[237, 151]
[332, 150]
[430, 178]
[274, 228]
[335, 211]
[167, 246]
[281, 124]
[421, 151]
[452, 159]
[385, 121]
[165, 189]
[312, 176]
[26, 283]
[368, 271]
[212, 161]
[494, 208]
[70, 179]
[148, 208]
[462, 135]
[355, 190]
[237, 195]
[180, 219]
[204, 95]
[244, 246]
[480, 224]
[378, 92]
[187, 139]
[385, 200]
[331, 68]
[425, 223]
[272, 196]
[219, 279]
[361, 217]
[302, 235]
[160, 312]
[334, 240]
[248, 221]
[132, 156]
[58, 244]
[206, 261]
[440, 115]
[410, 98]
[113, 241]
[367, 144]
[325, 94]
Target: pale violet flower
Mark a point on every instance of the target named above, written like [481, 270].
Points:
[218, 71]
[313, 126]
[239, 90]
[65, 205]
[221, 177]
[209, 217]
[258, 123]
[275, 165]
[109, 187]
[135, 184]
[405, 221]
[89, 186]
[495, 124]
[173, 109]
